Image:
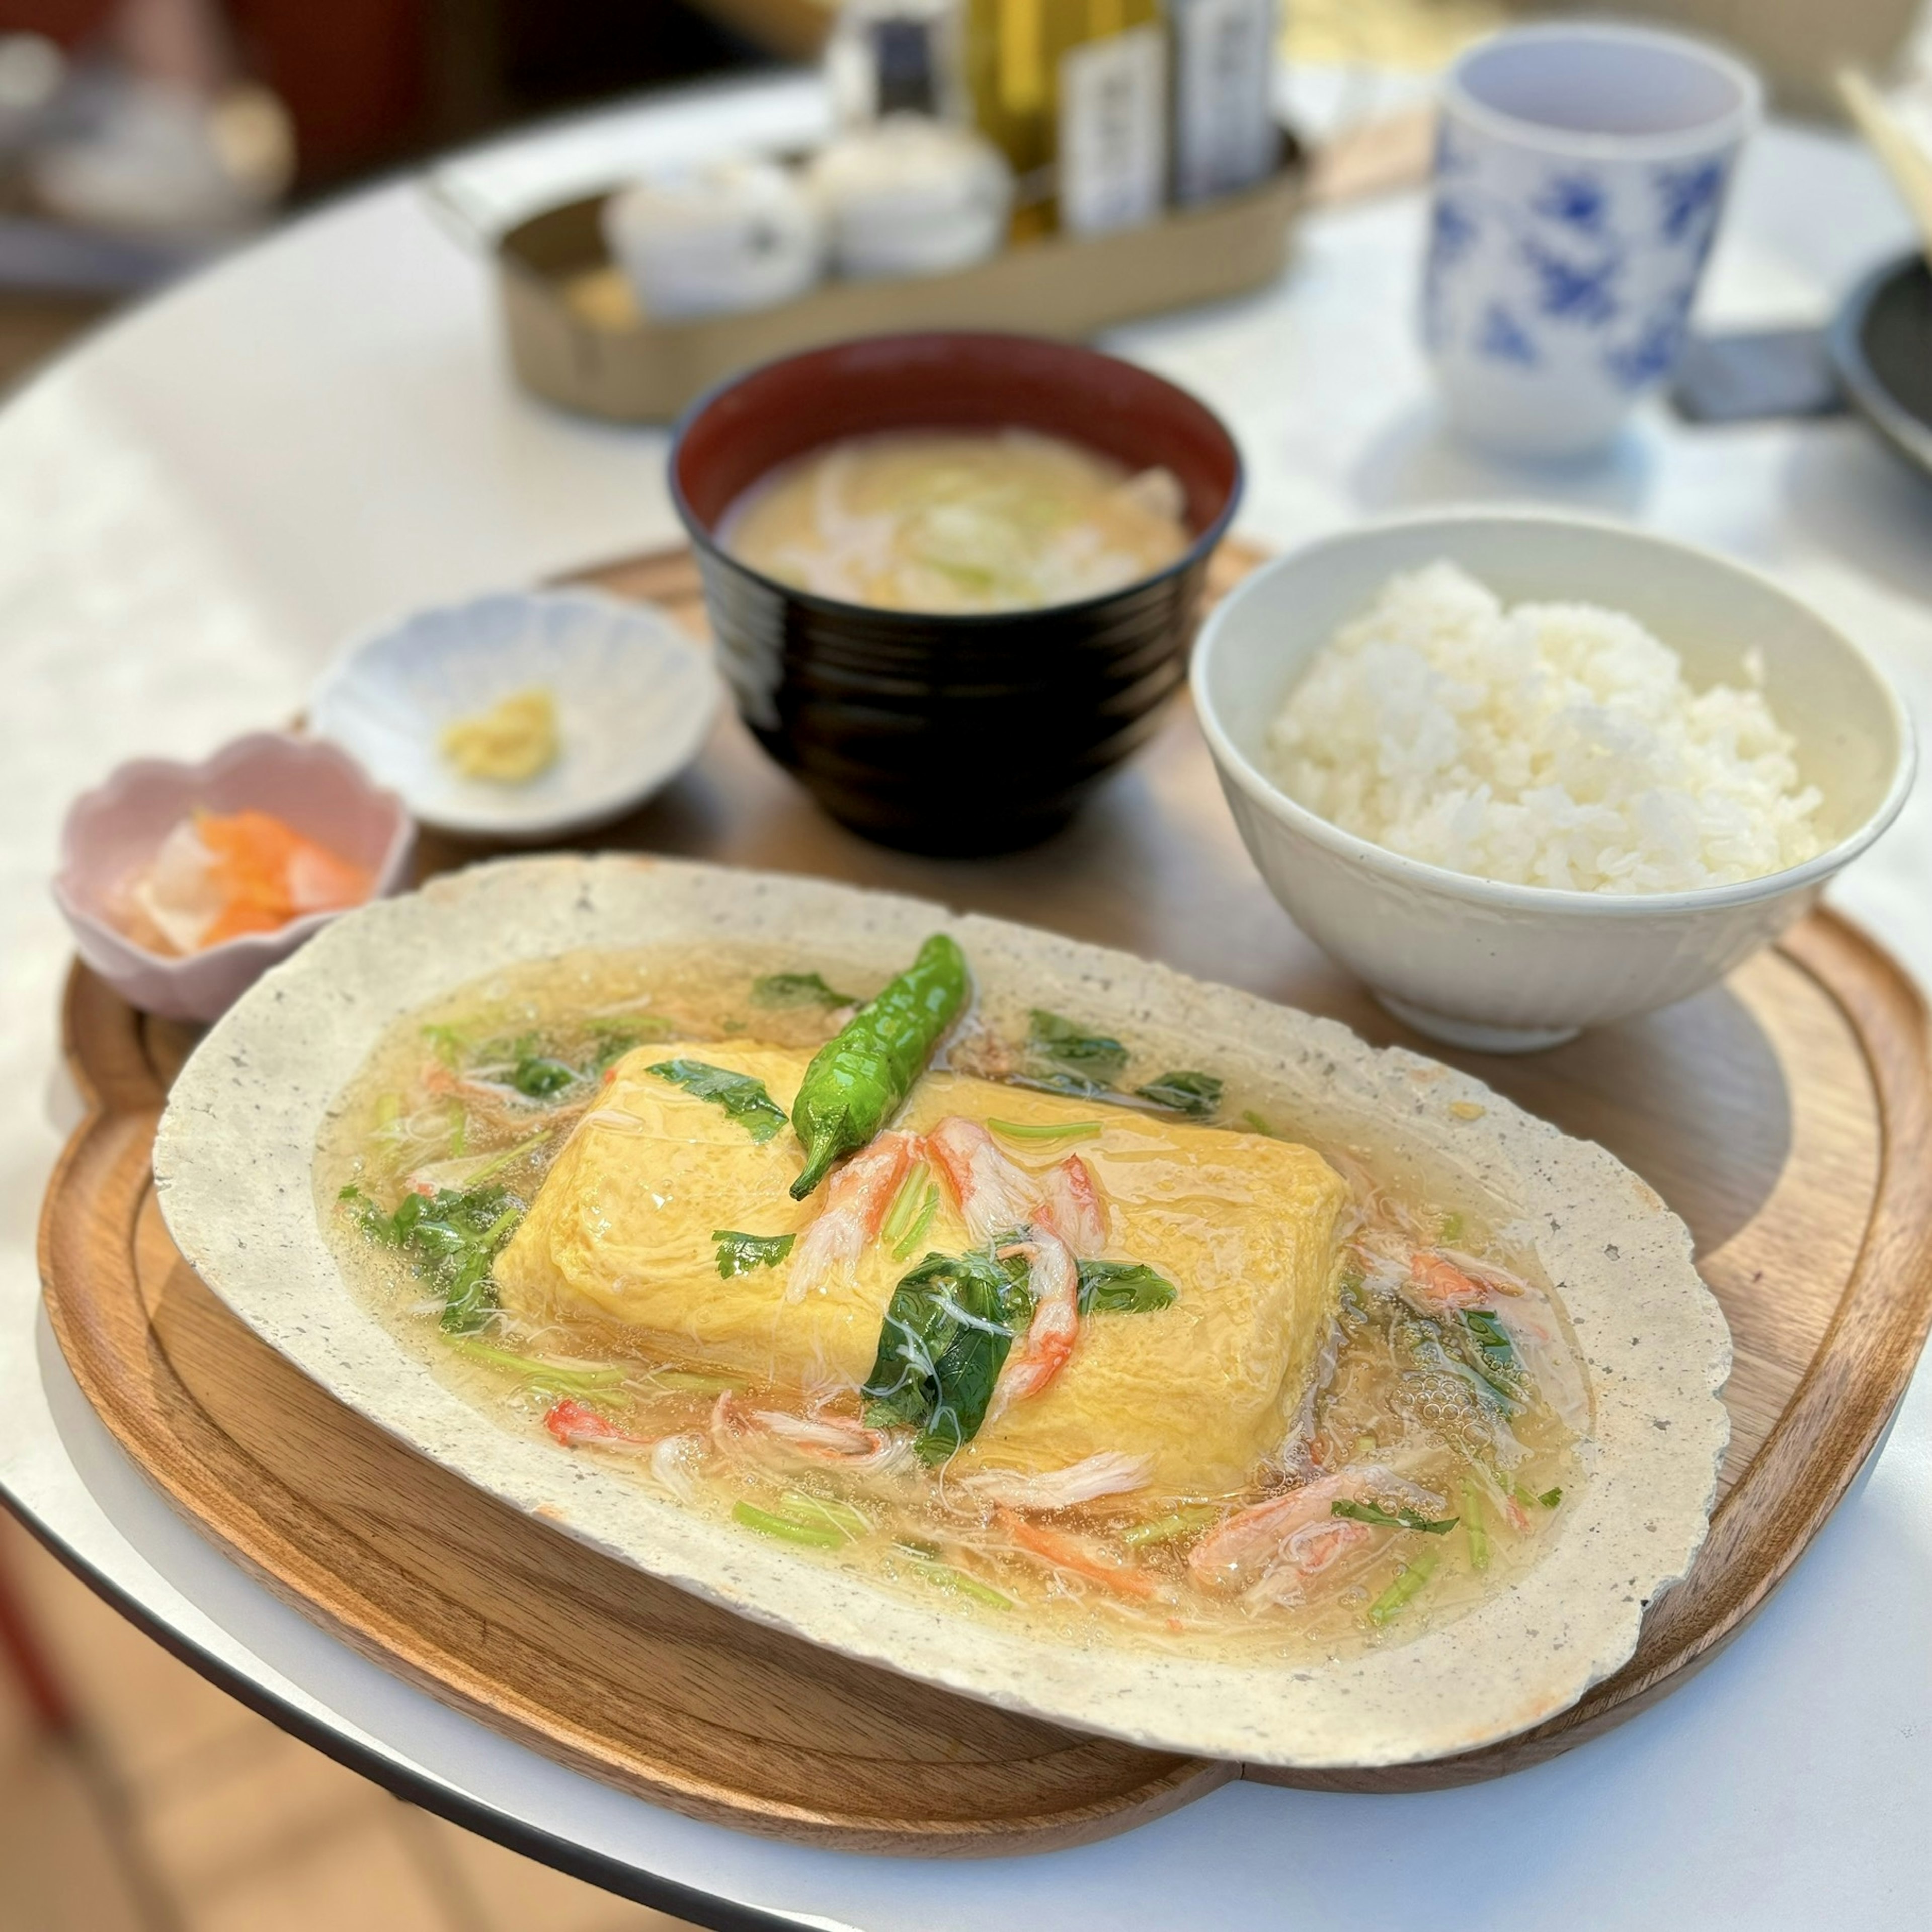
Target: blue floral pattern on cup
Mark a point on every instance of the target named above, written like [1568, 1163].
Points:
[1504, 339]
[1572, 256]
[1688, 200]
[1559, 278]
[1570, 289]
[1576, 200]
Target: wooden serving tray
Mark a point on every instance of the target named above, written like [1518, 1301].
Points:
[1787, 1115]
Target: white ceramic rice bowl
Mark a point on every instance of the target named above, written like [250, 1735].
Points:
[1507, 967]
[636, 699]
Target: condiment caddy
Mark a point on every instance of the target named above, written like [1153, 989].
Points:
[577, 338]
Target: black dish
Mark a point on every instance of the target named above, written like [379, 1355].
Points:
[1882, 346]
[941, 734]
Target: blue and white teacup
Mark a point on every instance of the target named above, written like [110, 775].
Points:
[1580, 170]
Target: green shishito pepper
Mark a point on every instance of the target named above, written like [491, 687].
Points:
[858, 1079]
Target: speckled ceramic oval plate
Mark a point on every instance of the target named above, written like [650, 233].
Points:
[234, 1168]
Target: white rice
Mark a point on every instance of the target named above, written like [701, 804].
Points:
[1549, 745]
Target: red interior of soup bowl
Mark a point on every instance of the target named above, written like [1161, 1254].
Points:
[949, 380]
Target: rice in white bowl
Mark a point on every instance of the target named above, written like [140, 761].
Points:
[1551, 745]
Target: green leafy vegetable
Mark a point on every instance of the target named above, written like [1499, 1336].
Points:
[1074, 1086]
[1195, 1095]
[1352, 1308]
[469, 1172]
[951, 1324]
[972, 577]
[903, 1248]
[1249, 1118]
[1430, 1344]
[817, 1536]
[392, 1230]
[1496, 1353]
[694, 1382]
[947, 1578]
[537, 1076]
[1486, 1347]
[1170, 1527]
[911, 1213]
[447, 1043]
[946, 1337]
[850, 1522]
[797, 989]
[1047, 1130]
[1474, 1525]
[497, 1163]
[1488, 1387]
[899, 1216]
[1095, 1059]
[1395, 1598]
[451, 1239]
[1400, 1519]
[1123, 1288]
[577, 1379]
[1452, 1228]
[536, 1067]
[1468, 1408]
[741, 1096]
[610, 1042]
[1550, 1499]
[739, 1254]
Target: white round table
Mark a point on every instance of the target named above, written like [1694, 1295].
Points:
[200, 502]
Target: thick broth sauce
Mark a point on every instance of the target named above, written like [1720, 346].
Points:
[1427, 1468]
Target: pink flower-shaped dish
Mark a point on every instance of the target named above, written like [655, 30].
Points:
[112, 832]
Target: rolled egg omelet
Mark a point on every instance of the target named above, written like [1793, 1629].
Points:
[621, 1236]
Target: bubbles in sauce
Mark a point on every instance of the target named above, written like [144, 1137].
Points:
[1431, 1465]
[957, 522]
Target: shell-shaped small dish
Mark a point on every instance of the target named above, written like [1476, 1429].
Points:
[111, 832]
[634, 700]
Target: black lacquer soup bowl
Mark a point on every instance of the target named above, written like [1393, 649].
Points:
[941, 733]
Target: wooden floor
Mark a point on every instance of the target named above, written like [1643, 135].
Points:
[171, 1808]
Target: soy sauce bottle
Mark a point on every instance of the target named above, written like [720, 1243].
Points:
[1225, 138]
